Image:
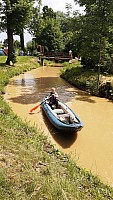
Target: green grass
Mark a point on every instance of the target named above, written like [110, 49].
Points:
[85, 79]
[80, 77]
[30, 167]
[24, 63]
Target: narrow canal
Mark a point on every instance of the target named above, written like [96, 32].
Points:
[92, 147]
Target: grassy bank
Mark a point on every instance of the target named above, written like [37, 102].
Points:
[30, 167]
[87, 79]
[24, 63]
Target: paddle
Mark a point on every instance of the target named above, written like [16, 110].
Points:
[33, 109]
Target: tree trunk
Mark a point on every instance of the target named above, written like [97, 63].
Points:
[10, 45]
[22, 40]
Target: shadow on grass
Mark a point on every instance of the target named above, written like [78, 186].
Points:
[2, 64]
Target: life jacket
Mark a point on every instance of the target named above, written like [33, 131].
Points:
[53, 97]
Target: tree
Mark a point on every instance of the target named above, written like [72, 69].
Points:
[48, 13]
[51, 37]
[48, 33]
[22, 40]
[16, 44]
[96, 27]
[70, 27]
[15, 15]
[96, 32]
[22, 30]
[5, 42]
[68, 7]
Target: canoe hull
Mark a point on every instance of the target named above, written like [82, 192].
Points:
[58, 124]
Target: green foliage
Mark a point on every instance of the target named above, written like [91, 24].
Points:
[16, 12]
[14, 17]
[31, 46]
[80, 77]
[86, 79]
[16, 44]
[56, 31]
[48, 33]
[48, 13]
[68, 7]
[95, 31]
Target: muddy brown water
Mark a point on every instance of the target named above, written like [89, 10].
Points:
[92, 147]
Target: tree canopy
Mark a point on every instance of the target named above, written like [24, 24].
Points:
[14, 16]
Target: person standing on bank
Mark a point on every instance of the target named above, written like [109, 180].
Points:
[53, 98]
[70, 55]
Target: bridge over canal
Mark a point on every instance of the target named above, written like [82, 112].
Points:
[57, 57]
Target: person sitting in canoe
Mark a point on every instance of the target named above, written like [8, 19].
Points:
[53, 98]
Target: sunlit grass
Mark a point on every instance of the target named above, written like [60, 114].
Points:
[23, 64]
[85, 79]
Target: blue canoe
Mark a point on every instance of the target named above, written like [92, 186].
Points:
[62, 118]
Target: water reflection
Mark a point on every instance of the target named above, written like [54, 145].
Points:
[39, 87]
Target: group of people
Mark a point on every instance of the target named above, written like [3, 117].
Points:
[22, 53]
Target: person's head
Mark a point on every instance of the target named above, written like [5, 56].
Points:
[53, 90]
